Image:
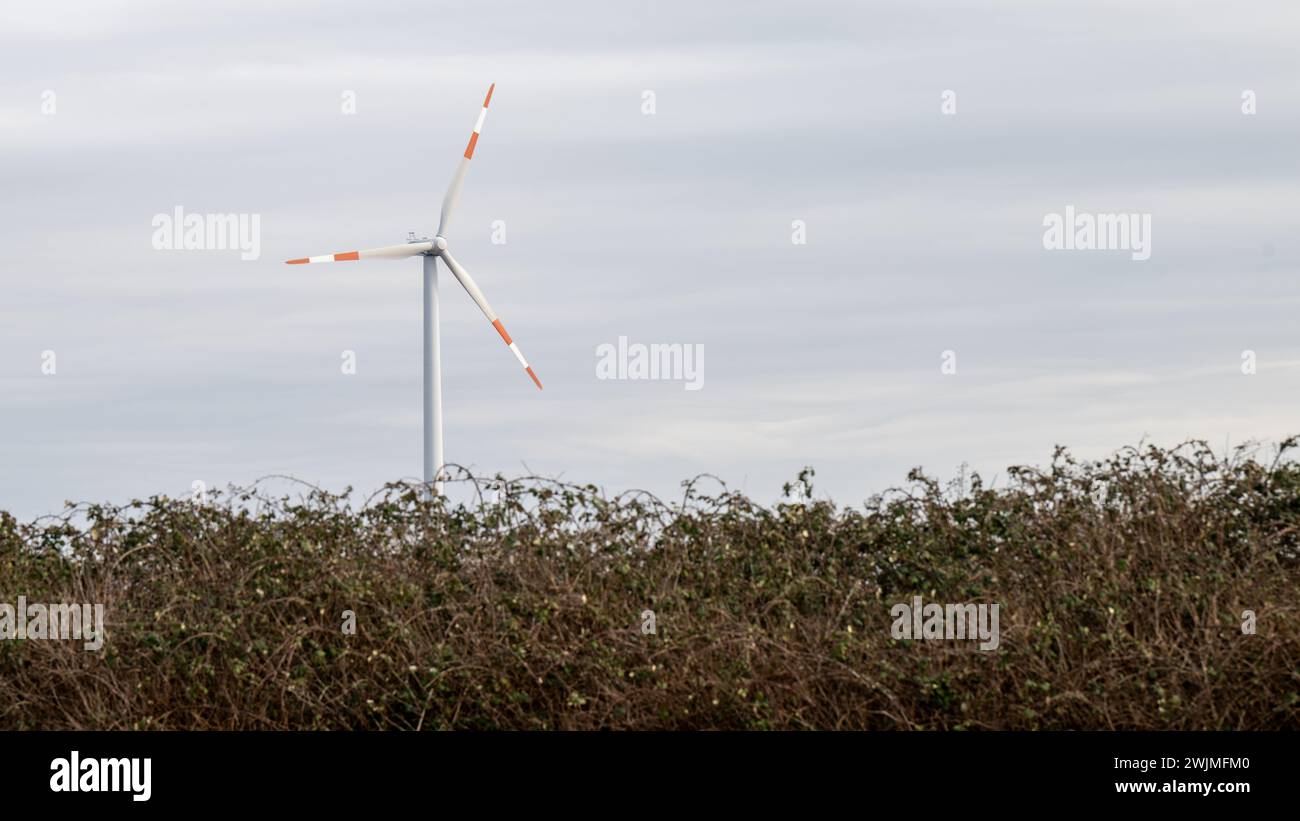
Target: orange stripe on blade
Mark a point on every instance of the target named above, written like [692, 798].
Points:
[501, 329]
[469, 149]
[536, 381]
[296, 261]
[488, 98]
[348, 257]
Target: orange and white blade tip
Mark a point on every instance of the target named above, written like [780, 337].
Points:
[478, 126]
[343, 257]
[505, 337]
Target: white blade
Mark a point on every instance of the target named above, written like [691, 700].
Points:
[408, 249]
[458, 179]
[468, 282]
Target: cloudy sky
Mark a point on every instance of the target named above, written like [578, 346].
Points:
[924, 234]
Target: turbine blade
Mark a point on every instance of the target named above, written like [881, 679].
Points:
[475, 294]
[406, 249]
[458, 179]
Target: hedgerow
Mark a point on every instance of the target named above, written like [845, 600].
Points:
[1122, 586]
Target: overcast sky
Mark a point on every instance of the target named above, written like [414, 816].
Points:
[924, 234]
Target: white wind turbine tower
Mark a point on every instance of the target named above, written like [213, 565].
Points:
[432, 250]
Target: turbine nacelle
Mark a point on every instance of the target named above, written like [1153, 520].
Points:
[436, 245]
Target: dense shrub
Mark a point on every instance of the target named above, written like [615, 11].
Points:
[1121, 585]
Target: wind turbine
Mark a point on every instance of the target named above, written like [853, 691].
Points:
[432, 250]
